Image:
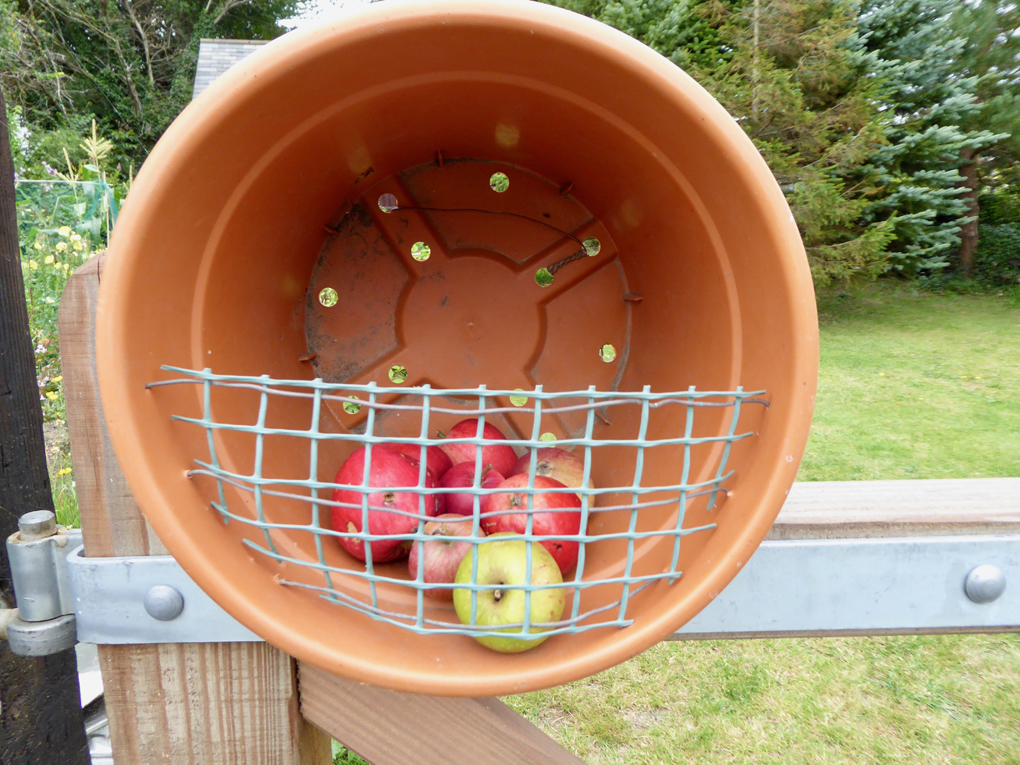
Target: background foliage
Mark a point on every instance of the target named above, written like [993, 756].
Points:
[128, 64]
[881, 119]
[885, 122]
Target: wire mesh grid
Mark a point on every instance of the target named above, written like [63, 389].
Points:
[418, 613]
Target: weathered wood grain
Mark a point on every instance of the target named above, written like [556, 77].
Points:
[390, 728]
[191, 703]
[856, 509]
[104, 497]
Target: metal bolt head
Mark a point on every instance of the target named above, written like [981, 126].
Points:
[985, 583]
[37, 524]
[163, 602]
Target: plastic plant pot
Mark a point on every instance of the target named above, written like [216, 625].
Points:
[253, 243]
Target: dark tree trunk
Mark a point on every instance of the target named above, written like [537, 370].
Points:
[969, 232]
[40, 709]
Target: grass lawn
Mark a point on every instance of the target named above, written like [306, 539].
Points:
[912, 385]
[915, 385]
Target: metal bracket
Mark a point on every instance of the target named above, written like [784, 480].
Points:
[798, 587]
[824, 586]
[64, 597]
[146, 599]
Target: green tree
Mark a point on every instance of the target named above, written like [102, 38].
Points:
[685, 31]
[915, 53]
[991, 53]
[793, 74]
[128, 63]
[796, 81]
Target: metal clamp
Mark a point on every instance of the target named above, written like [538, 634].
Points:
[43, 622]
[64, 597]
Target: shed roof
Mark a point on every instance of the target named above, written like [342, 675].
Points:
[217, 56]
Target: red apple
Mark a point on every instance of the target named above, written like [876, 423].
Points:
[555, 463]
[434, 463]
[501, 456]
[437, 461]
[390, 470]
[554, 515]
[462, 476]
[442, 556]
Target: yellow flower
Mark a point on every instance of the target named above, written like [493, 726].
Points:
[32, 264]
[64, 230]
[48, 260]
[61, 246]
[75, 237]
[51, 395]
[38, 245]
[78, 246]
[64, 471]
[66, 267]
[58, 378]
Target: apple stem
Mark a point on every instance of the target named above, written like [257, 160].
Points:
[497, 595]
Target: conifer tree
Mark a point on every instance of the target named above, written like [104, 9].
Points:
[991, 31]
[915, 53]
[791, 73]
[796, 84]
[684, 31]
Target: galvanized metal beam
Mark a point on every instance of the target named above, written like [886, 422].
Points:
[868, 586]
[799, 587]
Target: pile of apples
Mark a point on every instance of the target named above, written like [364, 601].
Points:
[501, 558]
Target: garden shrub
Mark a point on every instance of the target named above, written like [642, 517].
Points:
[997, 261]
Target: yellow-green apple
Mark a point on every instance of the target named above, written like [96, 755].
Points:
[556, 463]
[441, 555]
[389, 472]
[503, 561]
[501, 456]
[554, 515]
[462, 476]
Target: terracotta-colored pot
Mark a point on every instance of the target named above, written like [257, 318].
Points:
[221, 252]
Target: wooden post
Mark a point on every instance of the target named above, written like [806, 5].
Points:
[40, 707]
[189, 703]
